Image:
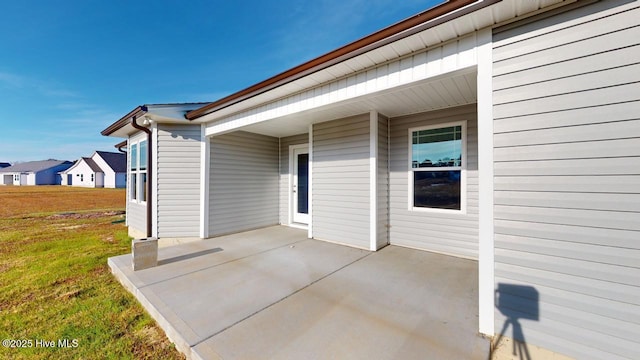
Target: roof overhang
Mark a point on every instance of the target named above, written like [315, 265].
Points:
[437, 15]
[281, 107]
[160, 113]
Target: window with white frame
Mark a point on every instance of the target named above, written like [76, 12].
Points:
[436, 176]
[138, 171]
[92, 177]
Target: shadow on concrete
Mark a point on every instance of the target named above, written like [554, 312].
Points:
[188, 256]
[517, 302]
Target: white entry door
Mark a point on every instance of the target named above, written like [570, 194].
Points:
[300, 184]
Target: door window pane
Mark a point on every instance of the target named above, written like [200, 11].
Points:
[303, 183]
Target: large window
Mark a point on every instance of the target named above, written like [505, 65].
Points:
[138, 171]
[436, 173]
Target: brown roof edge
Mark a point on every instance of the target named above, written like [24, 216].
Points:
[138, 111]
[313, 64]
[121, 144]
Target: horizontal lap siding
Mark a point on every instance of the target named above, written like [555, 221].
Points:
[285, 142]
[567, 174]
[179, 180]
[383, 182]
[341, 180]
[243, 182]
[454, 234]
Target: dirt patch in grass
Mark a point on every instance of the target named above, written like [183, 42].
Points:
[86, 215]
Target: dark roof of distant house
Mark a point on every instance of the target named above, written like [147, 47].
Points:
[92, 164]
[117, 161]
[34, 166]
[4, 165]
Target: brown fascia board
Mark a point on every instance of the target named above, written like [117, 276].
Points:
[120, 144]
[138, 111]
[353, 49]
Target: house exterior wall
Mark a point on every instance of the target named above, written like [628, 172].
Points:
[31, 179]
[109, 177]
[567, 168]
[243, 182]
[284, 185]
[178, 180]
[341, 180]
[48, 176]
[382, 181]
[121, 180]
[82, 168]
[382, 188]
[443, 232]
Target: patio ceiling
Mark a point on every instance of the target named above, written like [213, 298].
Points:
[454, 89]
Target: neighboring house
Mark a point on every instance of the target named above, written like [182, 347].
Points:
[102, 169]
[34, 173]
[4, 165]
[501, 131]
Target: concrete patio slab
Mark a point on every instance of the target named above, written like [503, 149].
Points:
[272, 293]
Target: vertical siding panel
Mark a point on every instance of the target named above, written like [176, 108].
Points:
[243, 190]
[454, 234]
[567, 134]
[341, 181]
[178, 180]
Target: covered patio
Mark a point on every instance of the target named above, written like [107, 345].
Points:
[274, 293]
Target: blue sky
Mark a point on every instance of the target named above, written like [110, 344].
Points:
[68, 69]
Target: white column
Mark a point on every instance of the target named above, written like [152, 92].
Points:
[373, 180]
[204, 182]
[154, 179]
[486, 282]
[310, 176]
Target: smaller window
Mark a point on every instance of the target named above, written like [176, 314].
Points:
[81, 177]
[92, 177]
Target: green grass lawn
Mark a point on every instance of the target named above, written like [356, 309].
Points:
[55, 285]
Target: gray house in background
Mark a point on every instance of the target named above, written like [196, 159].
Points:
[34, 172]
[501, 131]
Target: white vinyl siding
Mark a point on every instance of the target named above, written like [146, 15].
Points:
[373, 77]
[567, 174]
[284, 199]
[340, 196]
[383, 182]
[243, 182]
[452, 233]
[178, 184]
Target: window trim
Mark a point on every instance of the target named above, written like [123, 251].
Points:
[462, 168]
[139, 186]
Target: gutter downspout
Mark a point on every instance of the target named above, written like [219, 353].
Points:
[149, 171]
[120, 146]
